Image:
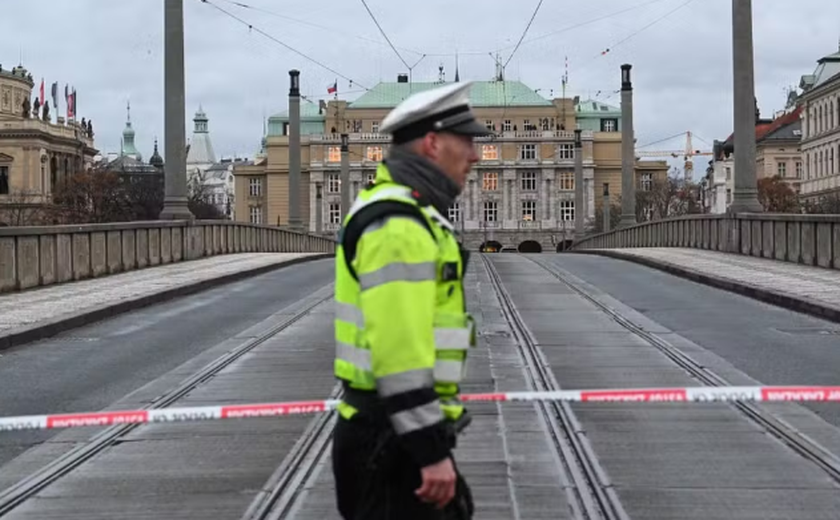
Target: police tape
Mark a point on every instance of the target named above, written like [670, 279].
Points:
[706, 394]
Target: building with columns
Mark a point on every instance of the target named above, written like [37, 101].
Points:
[520, 194]
[820, 101]
[36, 155]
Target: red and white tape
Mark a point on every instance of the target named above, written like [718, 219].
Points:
[244, 411]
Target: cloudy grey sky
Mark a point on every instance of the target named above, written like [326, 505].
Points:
[111, 51]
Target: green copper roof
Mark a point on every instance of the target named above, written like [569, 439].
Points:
[482, 94]
[308, 112]
[591, 107]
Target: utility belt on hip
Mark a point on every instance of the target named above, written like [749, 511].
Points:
[370, 406]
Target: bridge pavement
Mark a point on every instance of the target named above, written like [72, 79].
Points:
[666, 460]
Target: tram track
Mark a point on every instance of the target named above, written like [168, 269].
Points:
[284, 491]
[28, 487]
[785, 433]
[589, 490]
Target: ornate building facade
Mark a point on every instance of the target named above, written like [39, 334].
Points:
[520, 193]
[37, 151]
[820, 102]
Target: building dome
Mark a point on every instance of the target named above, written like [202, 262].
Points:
[156, 160]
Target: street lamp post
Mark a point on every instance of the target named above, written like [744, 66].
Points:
[628, 152]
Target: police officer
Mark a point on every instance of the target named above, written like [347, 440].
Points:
[402, 329]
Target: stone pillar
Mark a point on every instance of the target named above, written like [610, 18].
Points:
[345, 175]
[175, 171]
[294, 150]
[319, 208]
[745, 192]
[628, 152]
[579, 210]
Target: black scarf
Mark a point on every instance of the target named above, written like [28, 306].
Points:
[420, 174]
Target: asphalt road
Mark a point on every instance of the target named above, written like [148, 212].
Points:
[771, 344]
[89, 368]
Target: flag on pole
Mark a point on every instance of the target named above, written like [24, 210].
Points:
[54, 93]
[333, 88]
[41, 98]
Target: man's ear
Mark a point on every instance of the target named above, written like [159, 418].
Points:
[431, 145]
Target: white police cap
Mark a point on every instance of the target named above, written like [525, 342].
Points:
[443, 109]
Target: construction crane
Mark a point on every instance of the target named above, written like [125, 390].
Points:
[689, 153]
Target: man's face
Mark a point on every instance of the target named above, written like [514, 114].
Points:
[454, 154]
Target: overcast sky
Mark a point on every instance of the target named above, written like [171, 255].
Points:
[112, 51]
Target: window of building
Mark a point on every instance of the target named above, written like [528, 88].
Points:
[566, 151]
[334, 154]
[491, 211]
[506, 126]
[490, 181]
[528, 151]
[256, 215]
[567, 181]
[255, 187]
[798, 169]
[609, 125]
[369, 177]
[489, 152]
[455, 212]
[335, 213]
[567, 210]
[728, 173]
[374, 127]
[781, 169]
[529, 210]
[4, 180]
[489, 124]
[527, 126]
[728, 196]
[334, 183]
[529, 181]
[646, 183]
[374, 153]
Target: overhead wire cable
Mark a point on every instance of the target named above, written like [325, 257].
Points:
[531, 21]
[382, 31]
[312, 24]
[279, 42]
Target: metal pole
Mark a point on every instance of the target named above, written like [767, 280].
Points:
[294, 150]
[628, 152]
[345, 175]
[175, 139]
[579, 211]
[745, 192]
[607, 209]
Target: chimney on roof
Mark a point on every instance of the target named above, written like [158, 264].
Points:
[402, 78]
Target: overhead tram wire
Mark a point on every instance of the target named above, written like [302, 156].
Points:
[382, 31]
[285, 45]
[587, 22]
[534, 15]
[312, 24]
[646, 27]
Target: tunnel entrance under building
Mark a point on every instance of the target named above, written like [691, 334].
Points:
[530, 246]
[491, 246]
[564, 245]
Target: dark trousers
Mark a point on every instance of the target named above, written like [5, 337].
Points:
[375, 479]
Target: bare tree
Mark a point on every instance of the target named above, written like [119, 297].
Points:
[22, 208]
[200, 201]
[91, 197]
[825, 205]
[776, 196]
